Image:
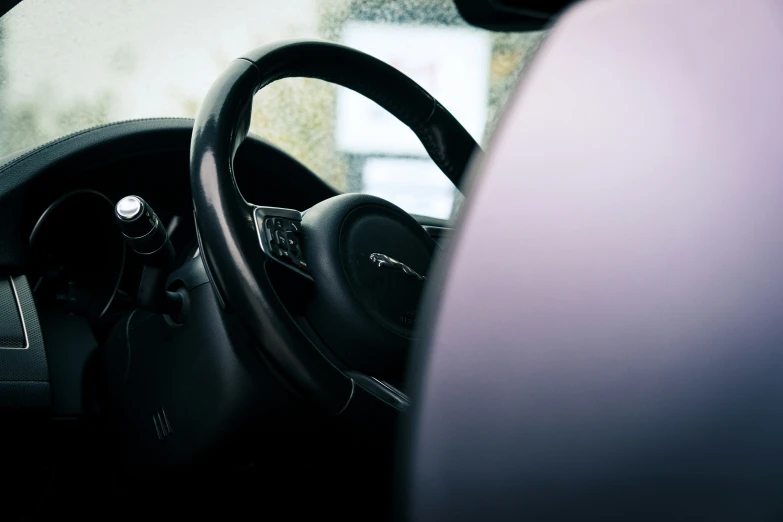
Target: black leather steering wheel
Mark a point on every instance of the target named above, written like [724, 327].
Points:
[364, 300]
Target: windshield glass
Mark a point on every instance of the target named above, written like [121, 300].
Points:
[69, 65]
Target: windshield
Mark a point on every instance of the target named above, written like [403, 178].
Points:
[69, 65]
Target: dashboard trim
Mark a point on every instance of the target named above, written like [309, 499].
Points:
[26, 344]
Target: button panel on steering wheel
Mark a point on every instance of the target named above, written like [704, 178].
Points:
[284, 237]
[280, 234]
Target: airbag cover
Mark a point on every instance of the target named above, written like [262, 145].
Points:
[369, 260]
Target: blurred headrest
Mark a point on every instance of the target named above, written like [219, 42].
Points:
[608, 337]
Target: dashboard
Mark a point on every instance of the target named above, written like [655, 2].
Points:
[60, 245]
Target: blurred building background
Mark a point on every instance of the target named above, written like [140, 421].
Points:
[72, 64]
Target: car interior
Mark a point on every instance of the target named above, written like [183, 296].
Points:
[580, 321]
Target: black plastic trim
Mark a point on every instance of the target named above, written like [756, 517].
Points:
[27, 364]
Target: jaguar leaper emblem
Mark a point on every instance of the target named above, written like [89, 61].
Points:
[382, 260]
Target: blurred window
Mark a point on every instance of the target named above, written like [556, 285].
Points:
[69, 65]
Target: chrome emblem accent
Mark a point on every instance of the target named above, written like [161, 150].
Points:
[389, 262]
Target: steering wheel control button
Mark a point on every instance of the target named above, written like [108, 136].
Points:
[280, 239]
[292, 241]
[274, 250]
[290, 226]
[268, 229]
[294, 251]
[283, 237]
[129, 207]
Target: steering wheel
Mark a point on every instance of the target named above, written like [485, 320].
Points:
[367, 258]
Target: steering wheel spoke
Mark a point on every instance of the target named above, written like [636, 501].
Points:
[280, 237]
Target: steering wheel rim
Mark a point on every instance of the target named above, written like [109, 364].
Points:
[229, 228]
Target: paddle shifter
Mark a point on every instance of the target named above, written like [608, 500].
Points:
[147, 236]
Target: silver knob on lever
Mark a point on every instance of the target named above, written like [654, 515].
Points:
[143, 231]
[146, 235]
[129, 208]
